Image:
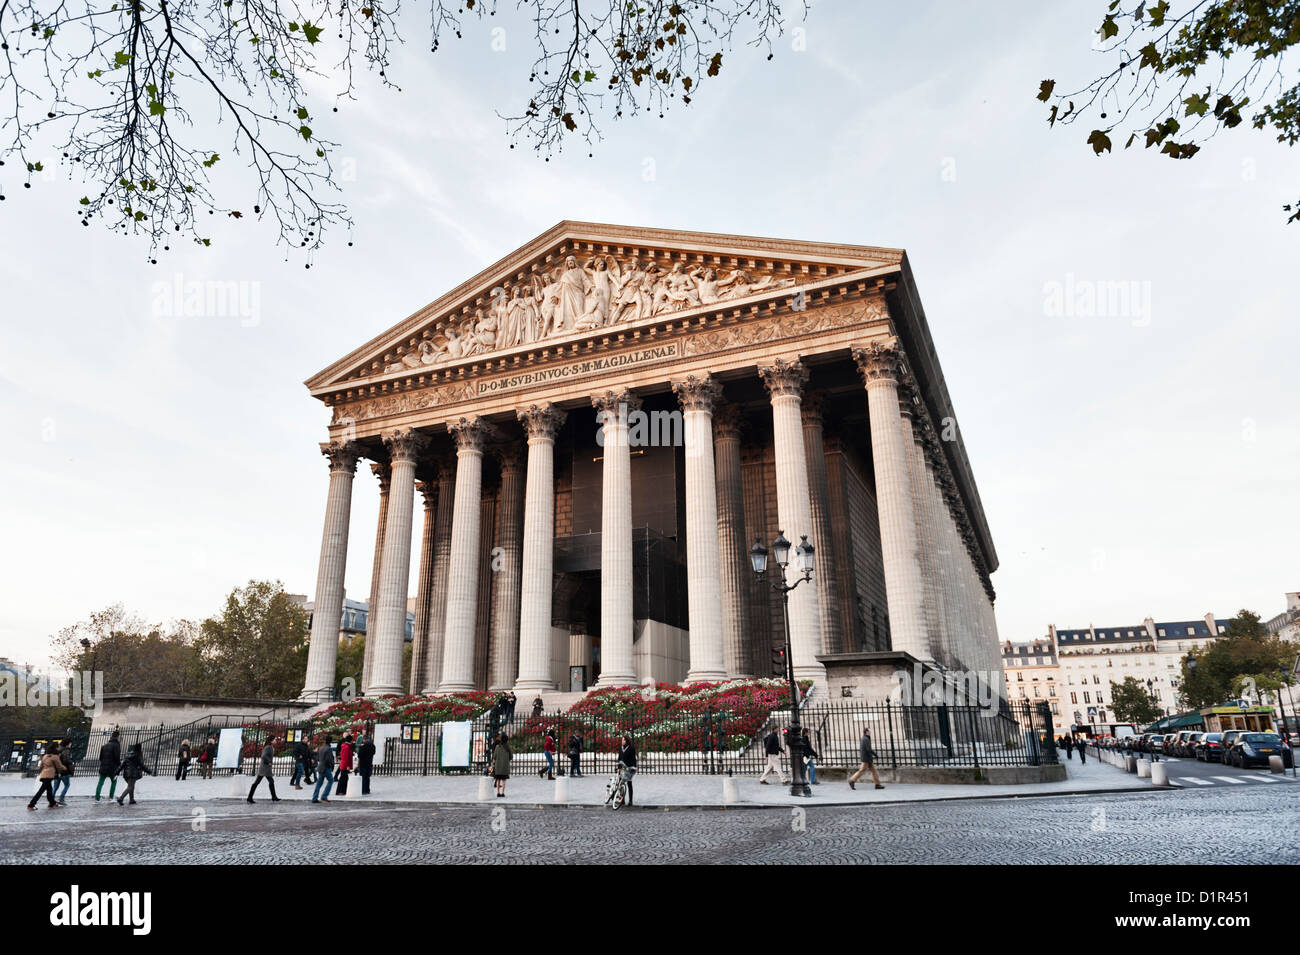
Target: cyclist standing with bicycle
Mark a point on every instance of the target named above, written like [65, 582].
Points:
[627, 761]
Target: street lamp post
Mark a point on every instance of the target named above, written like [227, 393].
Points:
[804, 556]
[1286, 735]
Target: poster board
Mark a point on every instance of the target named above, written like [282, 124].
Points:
[454, 752]
[383, 733]
[229, 746]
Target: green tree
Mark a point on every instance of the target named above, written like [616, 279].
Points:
[134, 656]
[1245, 662]
[257, 647]
[1178, 78]
[146, 102]
[1132, 702]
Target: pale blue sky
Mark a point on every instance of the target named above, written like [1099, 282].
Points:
[1129, 465]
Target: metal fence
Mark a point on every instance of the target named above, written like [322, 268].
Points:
[710, 742]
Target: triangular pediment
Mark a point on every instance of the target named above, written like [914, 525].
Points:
[581, 278]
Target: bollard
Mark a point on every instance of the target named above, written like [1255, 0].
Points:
[561, 789]
[1130, 764]
[1144, 768]
[1159, 774]
[237, 786]
[1275, 764]
[354, 787]
[730, 790]
[484, 788]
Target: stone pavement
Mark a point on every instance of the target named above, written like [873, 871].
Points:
[650, 789]
[1227, 825]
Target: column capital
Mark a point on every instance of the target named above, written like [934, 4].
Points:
[470, 433]
[384, 472]
[727, 421]
[907, 396]
[429, 490]
[404, 445]
[784, 378]
[697, 392]
[880, 361]
[342, 455]
[612, 401]
[510, 457]
[541, 421]
[812, 409]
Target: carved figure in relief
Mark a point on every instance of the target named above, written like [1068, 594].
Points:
[507, 334]
[549, 299]
[485, 330]
[632, 301]
[572, 294]
[675, 290]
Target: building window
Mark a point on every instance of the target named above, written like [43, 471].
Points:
[1087, 697]
[1160, 631]
[1074, 697]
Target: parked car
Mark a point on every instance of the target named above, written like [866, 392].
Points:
[1209, 748]
[1189, 744]
[1226, 742]
[1171, 739]
[1155, 744]
[1254, 749]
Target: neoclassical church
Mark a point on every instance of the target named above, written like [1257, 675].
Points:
[600, 425]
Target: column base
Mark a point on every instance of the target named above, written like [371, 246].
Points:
[606, 681]
[385, 691]
[456, 688]
[533, 686]
[706, 676]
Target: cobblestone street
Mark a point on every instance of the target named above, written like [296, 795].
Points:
[1244, 824]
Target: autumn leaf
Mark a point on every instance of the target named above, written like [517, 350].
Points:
[1099, 142]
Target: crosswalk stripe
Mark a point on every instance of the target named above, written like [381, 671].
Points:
[1194, 781]
[1229, 779]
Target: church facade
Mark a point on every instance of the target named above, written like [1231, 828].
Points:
[600, 425]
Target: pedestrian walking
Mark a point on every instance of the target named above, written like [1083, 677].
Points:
[265, 770]
[345, 765]
[575, 754]
[772, 747]
[867, 754]
[110, 764]
[64, 780]
[207, 758]
[365, 762]
[133, 768]
[537, 706]
[301, 757]
[51, 765]
[1083, 750]
[324, 770]
[627, 760]
[501, 757]
[811, 756]
[548, 750]
[1069, 747]
[183, 760]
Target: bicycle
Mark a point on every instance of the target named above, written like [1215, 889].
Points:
[616, 788]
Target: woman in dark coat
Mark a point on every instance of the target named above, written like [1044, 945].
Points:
[627, 759]
[265, 766]
[110, 764]
[501, 762]
[183, 760]
[133, 768]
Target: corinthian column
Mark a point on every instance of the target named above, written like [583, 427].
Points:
[395, 574]
[703, 588]
[785, 383]
[542, 423]
[881, 365]
[322, 653]
[503, 651]
[424, 588]
[616, 539]
[732, 552]
[908, 419]
[432, 672]
[462, 575]
[384, 473]
[828, 601]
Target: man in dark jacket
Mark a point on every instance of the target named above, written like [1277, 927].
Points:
[301, 756]
[772, 747]
[575, 754]
[365, 762]
[265, 770]
[868, 756]
[110, 764]
[324, 770]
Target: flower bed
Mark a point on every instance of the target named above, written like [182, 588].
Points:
[664, 718]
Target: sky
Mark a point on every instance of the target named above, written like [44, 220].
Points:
[1134, 461]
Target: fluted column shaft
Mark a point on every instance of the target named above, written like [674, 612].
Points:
[323, 651]
[785, 382]
[424, 587]
[881, 366]
[462, 575]
[736, 651]
[616, 581]
[934, 544]
[924, 554]
[828, 600]
[384, 474]
[703, 588]
[395, 572]
[437, 627]
[503, 650]
[541, 423]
